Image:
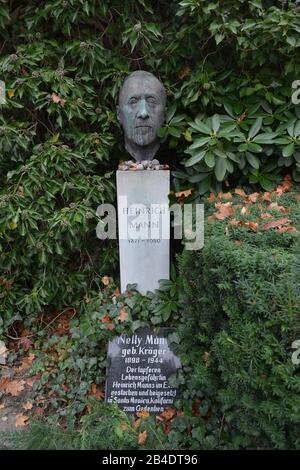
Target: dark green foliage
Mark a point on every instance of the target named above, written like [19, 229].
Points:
[242, 305]
[228, 68]
[70, 362]
[104, 427]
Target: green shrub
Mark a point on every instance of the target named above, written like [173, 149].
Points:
[228, 68]
[71, 351]
[102, 428]
[242, 303]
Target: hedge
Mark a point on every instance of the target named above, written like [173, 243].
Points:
[242, 298]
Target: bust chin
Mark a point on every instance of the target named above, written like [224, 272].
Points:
[141, 109]
[142, 151]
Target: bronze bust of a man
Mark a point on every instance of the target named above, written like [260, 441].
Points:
[141, 112]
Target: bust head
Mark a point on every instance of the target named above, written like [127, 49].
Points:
[141, 110]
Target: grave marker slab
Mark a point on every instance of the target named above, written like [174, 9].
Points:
[137, 376]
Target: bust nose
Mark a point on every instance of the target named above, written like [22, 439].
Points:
[142, 110]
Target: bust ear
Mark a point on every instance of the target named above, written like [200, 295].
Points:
[118, 113]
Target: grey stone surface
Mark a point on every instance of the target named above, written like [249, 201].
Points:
[144, 257]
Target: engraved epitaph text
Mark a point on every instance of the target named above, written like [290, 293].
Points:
[137, 377]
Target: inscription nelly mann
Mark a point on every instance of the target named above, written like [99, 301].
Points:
[137, 377]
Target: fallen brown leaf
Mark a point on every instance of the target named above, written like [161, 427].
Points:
[21, 420]
[15, 387]
[31, 380]
[253, 197]
[227, 196]
[123, 315]
[205, 356]
[24, 343]
[168, 414]
[143, 414]
[266, 215]
[142, 437]
[105, 280]
[286, 229]
[27, 406]
[267, 197]
[184, 72]
[281, 209]
[242, 117]
[181, 195]
[285, 186]
[252, 225]
[276, 223]
[96, 392]
[106, 319]
[224, 210]
[25, 362]
[136, 423]
[3, 353]
[3, 348]
[116, 292]
[195, 407]
[234, 222]
[3, 383]
[58, 99]
[240, 192]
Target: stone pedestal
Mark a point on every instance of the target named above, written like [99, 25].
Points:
[144, 228]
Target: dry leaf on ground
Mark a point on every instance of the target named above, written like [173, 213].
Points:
[142, 437]
[266, 215]
[222, 195]
[21, 420]
[58, 99]
[106, 319]
[184, 194]
[15, 387]
[276, 223]
[267, 197]
[285, 229]
[27, 406]
[143, 414]
[25, 362]
[252, 225]
[253, 197]
[105, 280]
[168, 414]
[123, 315]
[240, 192]
[225, 210]
[96, 392]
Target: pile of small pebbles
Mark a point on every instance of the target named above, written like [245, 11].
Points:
[154, 164]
